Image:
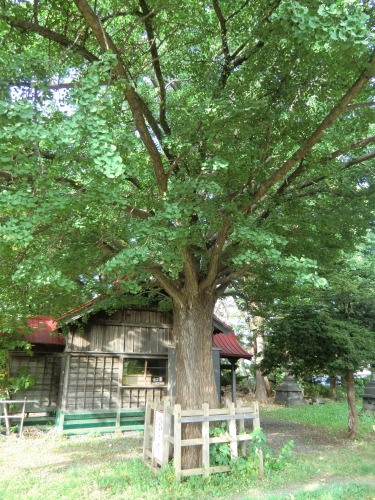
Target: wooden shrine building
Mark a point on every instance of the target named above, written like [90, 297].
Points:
[100, 374]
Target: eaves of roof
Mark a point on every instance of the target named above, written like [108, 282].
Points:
[230, 347]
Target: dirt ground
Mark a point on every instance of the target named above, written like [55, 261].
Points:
[305, 438]
[278, 433]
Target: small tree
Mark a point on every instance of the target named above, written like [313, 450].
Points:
[334, 331]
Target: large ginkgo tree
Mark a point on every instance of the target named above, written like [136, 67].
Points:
[180, 144]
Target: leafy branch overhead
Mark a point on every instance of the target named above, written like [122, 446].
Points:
[186, 141]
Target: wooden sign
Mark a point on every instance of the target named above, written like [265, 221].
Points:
[158, 444]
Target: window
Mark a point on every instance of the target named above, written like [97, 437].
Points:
[145, 372]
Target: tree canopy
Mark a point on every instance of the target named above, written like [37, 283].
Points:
[331, 330]
[179, 143]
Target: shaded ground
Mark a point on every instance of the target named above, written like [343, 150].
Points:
[55, 456]
[306, 438]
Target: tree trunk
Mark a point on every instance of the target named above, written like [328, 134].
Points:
[353, 416]
[268, 387]
[260, 388]
[333, 386]
[195, 381]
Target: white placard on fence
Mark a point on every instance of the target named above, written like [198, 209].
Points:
[158, 444]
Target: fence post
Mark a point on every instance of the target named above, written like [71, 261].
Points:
[177, 442]
[233, 432]
[206, 441]
[166, 431]
[7, 420]
[241, 427]
[23, 418]
[256, 425]
[146, 436]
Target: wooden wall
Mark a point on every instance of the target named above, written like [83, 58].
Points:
[94, 382]
[126, 331]
[91, 382]
[46, 369]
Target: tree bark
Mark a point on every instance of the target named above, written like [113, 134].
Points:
[260, 388]
[333, 386]
[195, 382]
[353, 416]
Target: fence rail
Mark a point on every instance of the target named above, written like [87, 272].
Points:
[8, 417]
[163, 434]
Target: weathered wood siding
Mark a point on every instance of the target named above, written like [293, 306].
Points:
[46, 369]
[94, 382]
[126, 331]
[91, 382]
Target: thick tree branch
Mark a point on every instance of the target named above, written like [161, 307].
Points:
[34, 85]
[239, 58]
[224, 43]
[167, 284]
[50, 35]
[137, 212]
[360, 159]
[156, 65]
[234, 275]
[348, 164]
[155, 128]
[302, 166]
[363, 79]
[190, 272]
[216, 253]
[361, 105]
[354, 145]
[233, 14]
[106, 43]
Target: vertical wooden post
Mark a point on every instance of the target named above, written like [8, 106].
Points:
[7, 420]
[233, 432]
[234, 383]
[119, 391]
[241, 427]
[22, 418]
[206, 441]
[167, 427]
[146, 436]
[256, 425]
[177, 442]
[64, 395]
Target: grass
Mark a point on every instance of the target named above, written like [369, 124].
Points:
[48, 465]
[331, 417]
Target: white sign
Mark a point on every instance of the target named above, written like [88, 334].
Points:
[158, 444]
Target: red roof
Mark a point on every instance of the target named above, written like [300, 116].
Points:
[43, 326]
[230, 347]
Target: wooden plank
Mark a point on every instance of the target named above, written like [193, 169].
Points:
[167, 430]
[217, 418]
[220, 439]
[177, 442]
[192, 442]
[220, 468]
[114, 411]
[191, 472]
[104, 429]
[233, 432]
[147, 426]
[206, 442]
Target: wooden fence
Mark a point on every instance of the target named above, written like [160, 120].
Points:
[163, 434]
[9, 417]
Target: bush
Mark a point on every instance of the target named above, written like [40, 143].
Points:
[316, 390]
